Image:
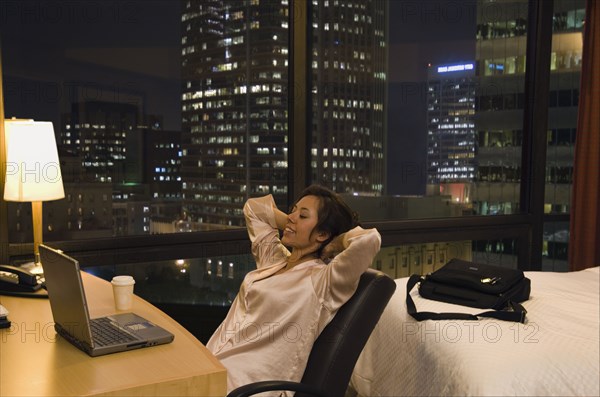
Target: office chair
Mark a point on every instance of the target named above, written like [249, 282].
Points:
[336, 350]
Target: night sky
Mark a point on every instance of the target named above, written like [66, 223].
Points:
[125, 45]
[133, 46]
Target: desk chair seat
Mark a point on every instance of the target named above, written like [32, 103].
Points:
[336, 350]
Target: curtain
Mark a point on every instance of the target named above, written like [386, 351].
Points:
[3, 206]
[584, 240]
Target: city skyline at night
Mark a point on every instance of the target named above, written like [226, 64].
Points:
[369, 117]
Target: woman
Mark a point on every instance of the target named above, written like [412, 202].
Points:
[285, 303]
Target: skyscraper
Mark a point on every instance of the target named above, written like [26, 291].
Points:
[99, 132]
[501, 46]
[500, 52]
[120, 159]
[349, 85]
[450, 124]
[235, 101]
[234, 138]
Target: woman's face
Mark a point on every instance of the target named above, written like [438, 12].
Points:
[301, 223]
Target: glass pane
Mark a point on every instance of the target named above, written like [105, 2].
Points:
[213, 281]
[168, 114]
[405, 260]
[565, 74]
[555, 251]
[418, 106]
[197, 292]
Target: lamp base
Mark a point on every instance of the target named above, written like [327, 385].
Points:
[34, 268]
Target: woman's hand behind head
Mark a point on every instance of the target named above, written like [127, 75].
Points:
[333, 248]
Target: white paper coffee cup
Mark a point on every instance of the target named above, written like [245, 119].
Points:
[123, 291]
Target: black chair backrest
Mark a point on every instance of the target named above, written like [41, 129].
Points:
[334, 353]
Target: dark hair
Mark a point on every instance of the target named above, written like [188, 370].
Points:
[334, 216]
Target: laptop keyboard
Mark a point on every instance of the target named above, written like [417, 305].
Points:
[105, 333]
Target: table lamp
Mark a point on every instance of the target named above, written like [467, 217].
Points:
[32, 171]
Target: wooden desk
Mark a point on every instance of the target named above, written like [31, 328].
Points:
[35, 361]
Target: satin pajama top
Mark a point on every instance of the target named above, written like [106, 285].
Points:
[274, 320]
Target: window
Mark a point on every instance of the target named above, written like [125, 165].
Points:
[153, 84]
[183, 141]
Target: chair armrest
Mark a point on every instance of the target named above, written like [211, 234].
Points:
[270, 385]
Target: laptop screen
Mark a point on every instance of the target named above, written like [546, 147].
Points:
[66, 294]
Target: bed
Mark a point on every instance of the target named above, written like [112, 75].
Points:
[555, 352]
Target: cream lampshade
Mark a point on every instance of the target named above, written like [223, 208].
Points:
[32, 169]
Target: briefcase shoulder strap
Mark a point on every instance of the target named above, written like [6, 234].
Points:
[516, 313]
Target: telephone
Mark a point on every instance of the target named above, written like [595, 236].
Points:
[16, 279]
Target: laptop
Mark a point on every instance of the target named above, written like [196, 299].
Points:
[98, 336]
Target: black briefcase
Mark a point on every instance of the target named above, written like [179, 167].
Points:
[474, 285]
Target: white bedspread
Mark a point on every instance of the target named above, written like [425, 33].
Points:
[556, 351]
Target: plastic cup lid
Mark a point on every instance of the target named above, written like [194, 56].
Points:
[123, 280]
